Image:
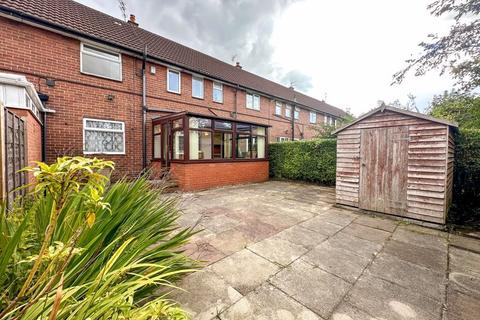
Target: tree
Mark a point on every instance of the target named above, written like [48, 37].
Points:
[460, 108]
[458, 52]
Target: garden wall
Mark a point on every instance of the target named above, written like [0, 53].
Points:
[313, 160]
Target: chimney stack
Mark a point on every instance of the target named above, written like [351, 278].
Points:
[238, 65]
[132, 20]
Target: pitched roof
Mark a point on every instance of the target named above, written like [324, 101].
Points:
[84, 21]
[402, 111]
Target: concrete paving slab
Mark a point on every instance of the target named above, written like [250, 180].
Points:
[420, 239]
[279, 251]
[335, 217]
[338, 261]
[244, 270]
[230, 241]
[257, 230]
[301, 236]
[410, 276]
[464, 272]
[367, 233]
[423, 229]
[318, 290]
[348, 312]
[268, 303]
[461, 306]
[319, 225]
[377, 223]
[470, 244]
[280, 221]
[386, 300]
[220, 223]
[216, 295]
[357, 245]
[426, 257]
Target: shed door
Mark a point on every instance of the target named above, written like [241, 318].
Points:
[383, 170]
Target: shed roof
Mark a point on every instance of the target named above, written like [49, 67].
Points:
[75, 18]
[402, 111]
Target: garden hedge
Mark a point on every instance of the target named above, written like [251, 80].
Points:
[313, 160]
[465, 208]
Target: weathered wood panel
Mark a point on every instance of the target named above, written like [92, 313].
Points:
[426, 180]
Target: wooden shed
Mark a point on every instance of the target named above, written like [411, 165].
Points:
[396, 162]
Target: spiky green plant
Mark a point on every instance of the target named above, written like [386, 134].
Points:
[84, 249]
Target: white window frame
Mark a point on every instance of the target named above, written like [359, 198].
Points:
[179, 81]
[203, 87]
[253, 96]
[213, 90]
[278, 104]
[288, 107]
[104, 130]
[296, 113]
[314, 116]
[283, 139]
[119, 61]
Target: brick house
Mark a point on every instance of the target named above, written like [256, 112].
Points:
[123, 93]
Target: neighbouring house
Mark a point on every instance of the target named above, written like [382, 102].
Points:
[122, 93]
[397, 162]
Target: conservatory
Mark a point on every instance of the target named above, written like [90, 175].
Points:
[205, 151]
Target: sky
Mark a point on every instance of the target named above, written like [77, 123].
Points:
[342, 51]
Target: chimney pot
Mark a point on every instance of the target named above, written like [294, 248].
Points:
[132, 20]
[238, 65]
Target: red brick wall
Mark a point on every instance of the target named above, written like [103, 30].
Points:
[198, 176]
[33, 137]
[41, 55]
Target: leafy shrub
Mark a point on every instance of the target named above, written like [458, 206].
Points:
[466, 186]
[313, 160]
[81, 249]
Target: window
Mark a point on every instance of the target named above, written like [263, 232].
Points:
[103, 136]
[100, 62]
[218, 92]
[157, 141]
[313, 117]
[222, 145]
[328, 120]
[253, 101]
[173, 81]
[197, 87]
[178, 148]
[200, 145]
[288, 111]
[282, 139]
[296, 113]
[258, 142]
[278, 108]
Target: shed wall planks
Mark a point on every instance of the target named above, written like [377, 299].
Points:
[429, 172]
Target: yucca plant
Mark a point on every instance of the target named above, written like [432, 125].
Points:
[80, 248]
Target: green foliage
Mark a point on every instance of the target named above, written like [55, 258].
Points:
[313, 160]
[463, 109]
[82, 249]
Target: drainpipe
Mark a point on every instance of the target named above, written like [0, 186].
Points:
[144, 110]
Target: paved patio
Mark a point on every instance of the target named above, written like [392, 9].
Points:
[281, 250]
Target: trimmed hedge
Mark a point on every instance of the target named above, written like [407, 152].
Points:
[465, 208]
[313, 160]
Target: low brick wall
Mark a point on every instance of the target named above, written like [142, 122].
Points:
[198, 176]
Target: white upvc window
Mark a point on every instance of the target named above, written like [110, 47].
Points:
[288, 111]
[217, 92]
[328, 120]
[278, 108]
[313, 117]
[100, 62]
[283, 139]
[253, 101]
[174, 81]
[197, 87]
[103, 136]
[296, 113]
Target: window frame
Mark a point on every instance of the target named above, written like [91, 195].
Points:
[288, 108]
[179, 80]
[315, 116]
[278, 104]
[213, 90]
[104, 130]
[194, 77]
[153, 141]
[97, 47]
[254, 96]
[296, 113]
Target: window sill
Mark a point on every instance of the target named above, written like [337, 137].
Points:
[219, 102]
[101, 77]
[198, 98]
[179, 93]
[218, 161]
[257, 110]
[105, 153]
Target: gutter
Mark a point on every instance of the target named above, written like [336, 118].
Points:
[144, 110]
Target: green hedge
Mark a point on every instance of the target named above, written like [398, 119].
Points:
[466, 185]
[313, 160]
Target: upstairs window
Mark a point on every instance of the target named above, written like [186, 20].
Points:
[173, 81]
[253, 101]
[296, 113]
[218, 92]
[197, 87]
[278, 108]
[329, 121]
[288, 111]
[313, 117]
[103, 136]
[100, 62]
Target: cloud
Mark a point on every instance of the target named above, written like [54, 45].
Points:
[299, 80]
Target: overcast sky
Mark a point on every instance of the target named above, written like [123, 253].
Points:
[341, 51]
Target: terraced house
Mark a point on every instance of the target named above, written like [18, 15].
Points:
[117, 91]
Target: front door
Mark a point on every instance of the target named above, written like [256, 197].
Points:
[383, 170]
